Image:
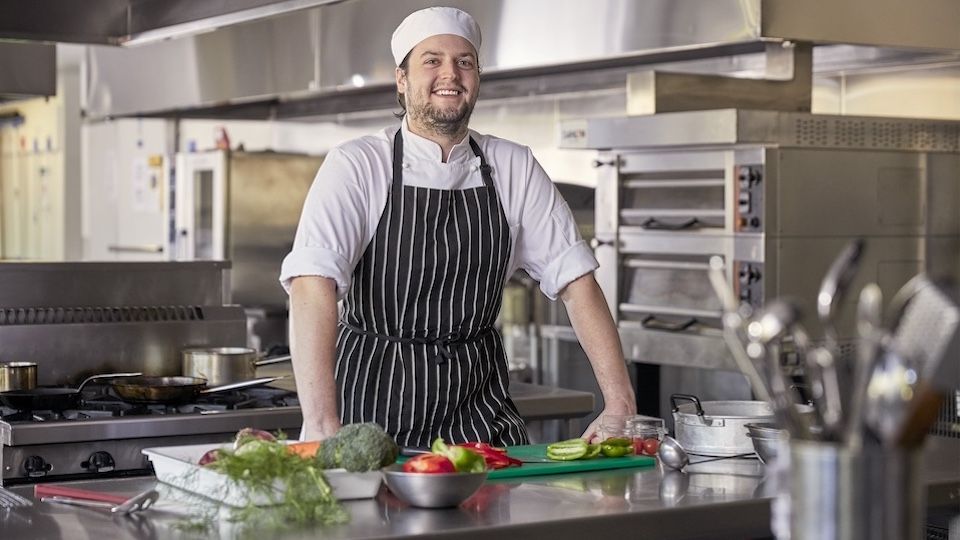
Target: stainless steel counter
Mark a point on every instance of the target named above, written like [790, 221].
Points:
[726, 499]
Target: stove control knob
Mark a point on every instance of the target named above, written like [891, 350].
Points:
[100, 462]
[36, 466]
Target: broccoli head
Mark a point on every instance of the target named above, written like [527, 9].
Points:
[358, 448]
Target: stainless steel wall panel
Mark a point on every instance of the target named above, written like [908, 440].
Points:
[86, 284]
[67, 353]
[81, 319]
[267, 191]
[871, 194]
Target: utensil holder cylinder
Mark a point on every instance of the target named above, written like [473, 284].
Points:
[839, 493]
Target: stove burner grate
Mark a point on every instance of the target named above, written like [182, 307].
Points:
[102, 403]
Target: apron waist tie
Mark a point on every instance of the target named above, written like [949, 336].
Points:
[443, 343]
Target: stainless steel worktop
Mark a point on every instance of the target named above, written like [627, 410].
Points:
[727, 499]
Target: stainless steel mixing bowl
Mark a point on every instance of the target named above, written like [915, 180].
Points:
[767, 439]
[432, 490]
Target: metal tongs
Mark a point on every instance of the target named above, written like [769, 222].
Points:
[93, 499]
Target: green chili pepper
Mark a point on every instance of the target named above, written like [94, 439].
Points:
[618, 441]
[463, 459]
[610, 450]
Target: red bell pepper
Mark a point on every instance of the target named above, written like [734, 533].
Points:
[495, 457]
[429, 463]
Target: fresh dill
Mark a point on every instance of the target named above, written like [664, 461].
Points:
[294, 486]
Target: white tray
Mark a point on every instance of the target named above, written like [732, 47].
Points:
[177, 466]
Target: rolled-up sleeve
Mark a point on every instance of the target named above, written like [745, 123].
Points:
[332, 231]
[551, 248]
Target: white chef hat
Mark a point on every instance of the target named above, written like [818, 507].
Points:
[430, 22]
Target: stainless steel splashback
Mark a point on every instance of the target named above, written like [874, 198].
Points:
[267, 190]
[81, 319]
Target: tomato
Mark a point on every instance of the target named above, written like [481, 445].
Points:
[429, 463]
[650, 447]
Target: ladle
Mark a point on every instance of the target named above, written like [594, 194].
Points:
[675, 457]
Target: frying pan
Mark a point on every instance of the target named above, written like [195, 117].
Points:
[53, 399]
[174, 390]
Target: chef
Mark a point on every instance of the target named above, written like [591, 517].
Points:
[414, 231]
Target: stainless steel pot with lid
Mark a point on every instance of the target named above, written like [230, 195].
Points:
[225, 365]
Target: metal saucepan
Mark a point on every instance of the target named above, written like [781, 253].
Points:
[52, 399]
[174, 390]
[224, 365]
[18, 376]
[718, 428]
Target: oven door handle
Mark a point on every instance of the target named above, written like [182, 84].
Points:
[651, 322]
[655, 224]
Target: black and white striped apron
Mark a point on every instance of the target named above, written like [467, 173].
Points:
[417, 350]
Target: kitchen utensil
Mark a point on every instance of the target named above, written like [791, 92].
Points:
[927, 336]
[116, 505]
[9, 499]
[716, 428]
[733, 331]
[821, 368]
[174, 390]
[672, 454]
[767, 440]
[821, 361]
[54, 399]
[869, 352]
[436, 490]
[778, 317]
[18, 376]
[833, 287]
[224, 365]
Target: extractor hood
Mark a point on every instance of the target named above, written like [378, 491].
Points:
[131, 22]
[27, 70]
[336, 58]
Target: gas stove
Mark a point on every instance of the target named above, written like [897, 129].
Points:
[104, 435]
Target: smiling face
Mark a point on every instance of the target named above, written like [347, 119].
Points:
[440, 86]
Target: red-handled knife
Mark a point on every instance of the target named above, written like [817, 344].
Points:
[48, 490]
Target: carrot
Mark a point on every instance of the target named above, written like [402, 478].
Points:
[307, 449]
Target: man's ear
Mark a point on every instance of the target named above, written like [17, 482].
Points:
[401, 81]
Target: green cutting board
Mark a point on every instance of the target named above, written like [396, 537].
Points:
[598, 463]
[539, 451]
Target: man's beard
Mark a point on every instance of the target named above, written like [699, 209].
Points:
[445, 122]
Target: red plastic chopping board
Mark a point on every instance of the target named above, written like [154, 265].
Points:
[539, 451]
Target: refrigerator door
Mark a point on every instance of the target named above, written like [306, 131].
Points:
[201, 194]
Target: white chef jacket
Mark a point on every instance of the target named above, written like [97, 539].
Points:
[348, 195]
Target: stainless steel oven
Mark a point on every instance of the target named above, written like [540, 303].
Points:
[776, 195]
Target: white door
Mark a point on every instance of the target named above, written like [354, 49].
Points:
[126, 191]
[201, 206]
